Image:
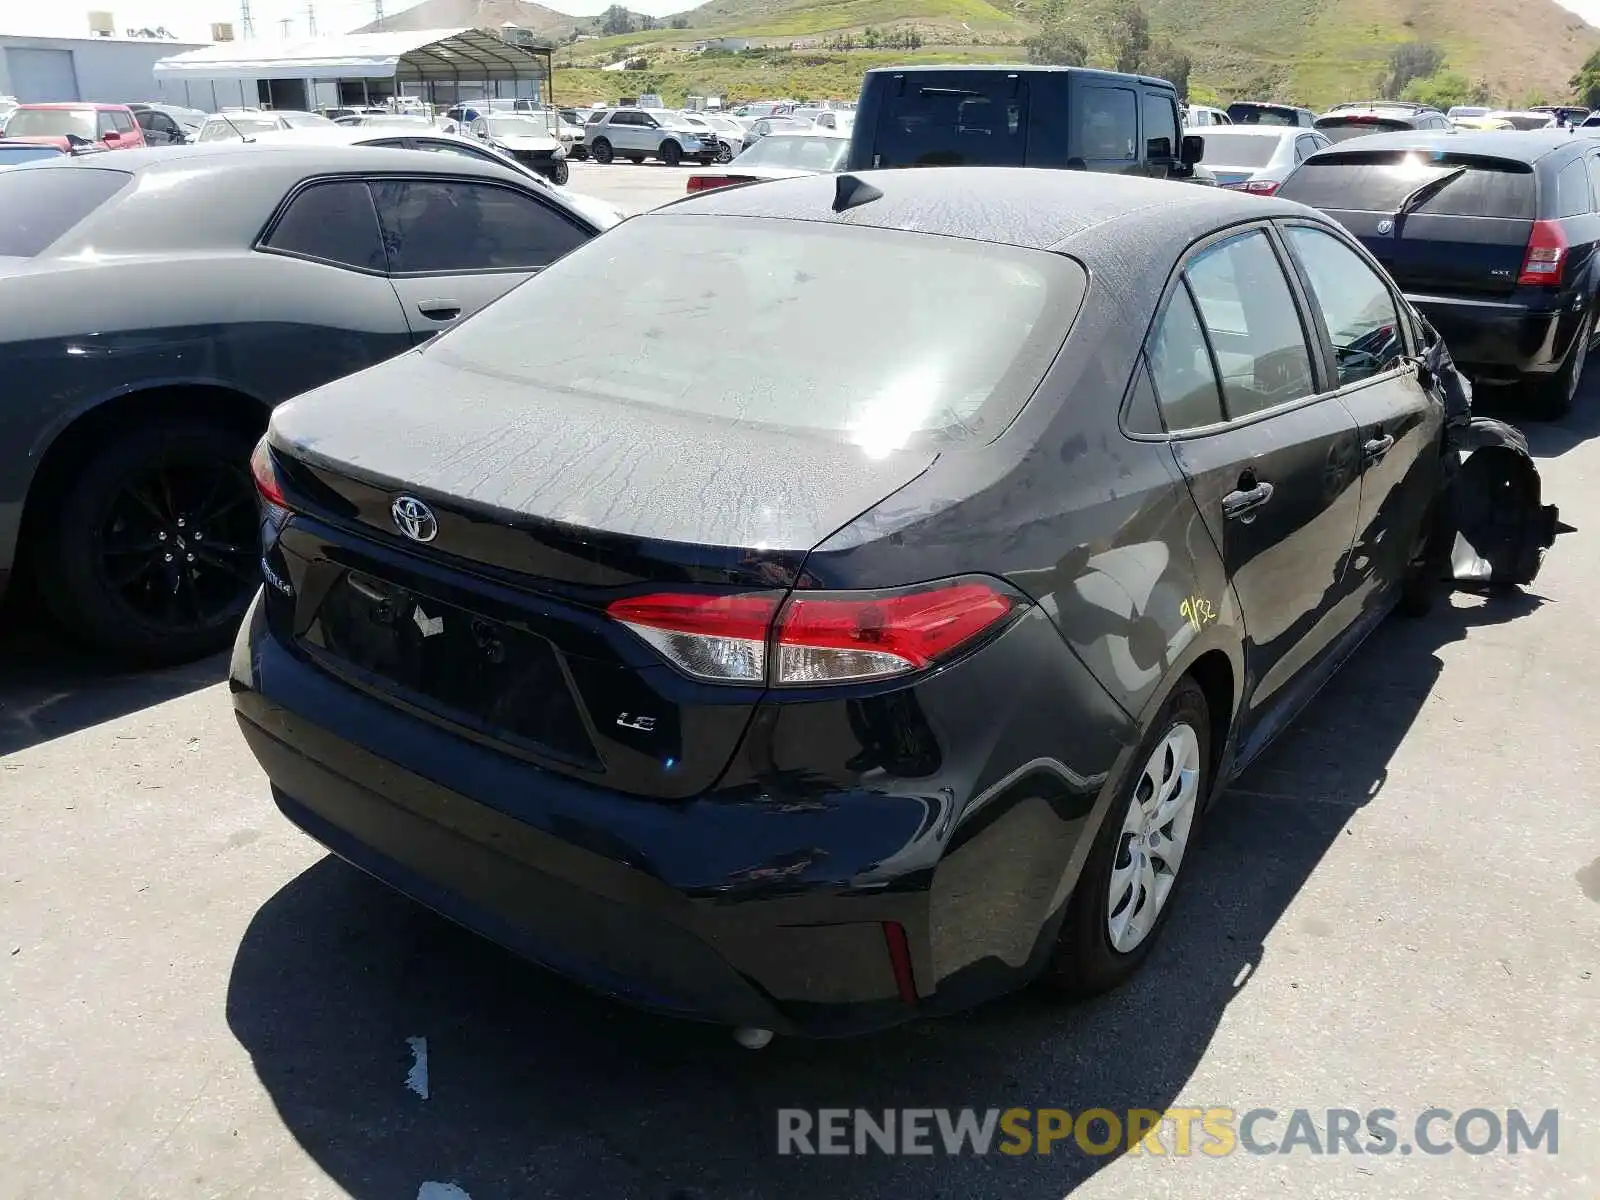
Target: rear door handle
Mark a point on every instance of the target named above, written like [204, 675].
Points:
[1376, 448]
[1244, 502]
[439, 310]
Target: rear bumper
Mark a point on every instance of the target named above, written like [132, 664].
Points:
[763, 904]
[1501, 339]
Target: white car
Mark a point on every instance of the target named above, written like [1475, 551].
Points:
[731, 134]
[603, 215]
[637, 134]
[244, 126]
[780, 156]
[532, 138]
[1202, 116]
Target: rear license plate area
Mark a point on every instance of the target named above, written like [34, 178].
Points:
[475, 671]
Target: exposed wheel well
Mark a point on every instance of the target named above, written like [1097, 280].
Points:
[200, 403]
[1214, 673]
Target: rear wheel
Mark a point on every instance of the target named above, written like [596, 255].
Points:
[152, 551]
[1124, 896]
[671, 153]
[601, 151]
[724, 152]
[1550, 397]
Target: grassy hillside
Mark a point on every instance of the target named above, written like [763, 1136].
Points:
[1312, 51]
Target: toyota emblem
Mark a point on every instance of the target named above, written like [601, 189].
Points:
[414, 519]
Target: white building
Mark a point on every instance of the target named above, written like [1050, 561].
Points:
[103, 70]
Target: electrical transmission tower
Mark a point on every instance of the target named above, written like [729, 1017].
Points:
[311, 20]
[377, 13]
[247, 27]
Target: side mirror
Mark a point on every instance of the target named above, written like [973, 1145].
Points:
[1158, 147]
[111, 135]
[1192, 149]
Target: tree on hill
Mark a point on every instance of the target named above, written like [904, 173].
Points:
[1129, 35]
[1443, 90]
[1586, 83]
[615, 20]
[1408, 61]
[1055, 45]
[680, 22]
[1166, 61]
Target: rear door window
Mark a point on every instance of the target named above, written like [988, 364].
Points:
[1252, 323]
[1108, 127]
[1160, 121]
[1377, 182]
[1181, 368]
[960, 119]
[42, 206]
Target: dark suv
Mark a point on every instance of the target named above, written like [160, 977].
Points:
[1345, 121]
[1492, 236]
[1266, 112]
[1018, 116]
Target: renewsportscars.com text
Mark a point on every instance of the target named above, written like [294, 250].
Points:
[1211, 1132]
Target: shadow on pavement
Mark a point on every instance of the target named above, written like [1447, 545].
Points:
[50, 687]
[538, 1088]
[1546, 439]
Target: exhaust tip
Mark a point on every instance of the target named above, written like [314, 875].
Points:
[752, 1038]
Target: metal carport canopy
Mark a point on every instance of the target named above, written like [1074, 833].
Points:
[425, 55]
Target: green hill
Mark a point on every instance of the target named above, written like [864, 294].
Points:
[1312, 51]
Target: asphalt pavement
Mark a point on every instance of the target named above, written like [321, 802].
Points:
[1399, 908]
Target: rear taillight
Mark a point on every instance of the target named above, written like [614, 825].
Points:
[265, 472]
[816, 637]
[1261, 187]
[704, 183]
[1546, 259]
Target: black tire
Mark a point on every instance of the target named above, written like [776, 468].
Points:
[578, 153]
[724, 152]
[1550, 397]
[1085, 962]
[671, 153]
[559, 172]
[601, 151]
[119, 565]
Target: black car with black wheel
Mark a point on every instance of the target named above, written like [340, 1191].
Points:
[160, 302]
[814, 691]
[1491, 234]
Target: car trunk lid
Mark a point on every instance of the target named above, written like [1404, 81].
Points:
[1441, 223]
[530, 511]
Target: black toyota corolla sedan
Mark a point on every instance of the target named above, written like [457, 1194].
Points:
[805, 682]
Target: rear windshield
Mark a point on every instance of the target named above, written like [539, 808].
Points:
[42, 203]
[10, 156]
[879, 338]
[797, 150]
[1378, 181]
[936, 120]
[235, 128]
[53, 122]
[1262, 114]
[1238, 149]
[1342, 129]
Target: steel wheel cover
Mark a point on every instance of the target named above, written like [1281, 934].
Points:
[1154, 836]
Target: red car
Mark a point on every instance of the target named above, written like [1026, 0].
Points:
[111, 126]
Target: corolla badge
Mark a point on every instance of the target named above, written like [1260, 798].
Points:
[414, 519]
[1386, 227]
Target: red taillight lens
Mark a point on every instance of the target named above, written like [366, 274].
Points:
[827, 638]
[1546, 260]
[704, 183]
[1261, 187]
[266, 475]
[723, 638]
[817, 637]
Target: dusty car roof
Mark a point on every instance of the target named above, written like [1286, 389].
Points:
[1523, 145]
[1039, 209]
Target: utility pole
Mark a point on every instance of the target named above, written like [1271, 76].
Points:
[285, 25]
[247, 27]
[311, 20]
